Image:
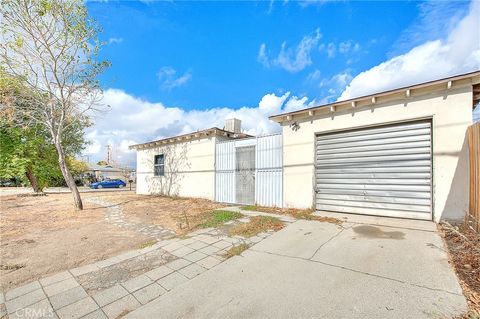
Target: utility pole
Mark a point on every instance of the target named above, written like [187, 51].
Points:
[109, 155]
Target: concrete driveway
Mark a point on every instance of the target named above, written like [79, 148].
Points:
[321, 270]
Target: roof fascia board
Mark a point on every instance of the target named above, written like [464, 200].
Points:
[395, 94]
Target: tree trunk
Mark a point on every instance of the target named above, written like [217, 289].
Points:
[33, 180]
[68, 176]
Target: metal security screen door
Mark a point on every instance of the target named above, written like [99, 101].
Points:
[245, 175]
[268, 172]
[384, 171]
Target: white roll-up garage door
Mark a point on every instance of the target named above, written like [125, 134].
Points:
[385, 171]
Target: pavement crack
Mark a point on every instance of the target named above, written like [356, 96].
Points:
[359, 272]
[330, 239]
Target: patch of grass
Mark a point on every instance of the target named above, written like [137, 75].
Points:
[236, 250]
[147, 244]
[251, 208]
[256, 225]
[216, 218]
[306, 214]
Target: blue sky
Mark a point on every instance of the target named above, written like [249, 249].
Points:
[217, 44]
[180, 66]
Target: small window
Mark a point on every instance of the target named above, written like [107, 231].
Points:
[159, 165]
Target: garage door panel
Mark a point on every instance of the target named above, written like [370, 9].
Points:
[375, 211]
[362, 192]
[408, 167]
[373, 175]
[384, 168]
[364, 148]
[376, 199]
[374, 181]
[373, 142]
[366, 133]
[378, 137]
[371, 153]
[374, 159]
[365, 204]
[384, 187]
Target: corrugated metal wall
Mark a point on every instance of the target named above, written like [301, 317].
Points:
[269, 174]
[224, 172]
[268, 170]
[383, 171]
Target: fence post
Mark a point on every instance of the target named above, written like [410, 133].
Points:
[473, 136]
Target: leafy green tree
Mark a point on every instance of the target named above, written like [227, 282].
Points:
[27, 155]
[102, 163]
[52, 46]
[77, 166]
[26, 150]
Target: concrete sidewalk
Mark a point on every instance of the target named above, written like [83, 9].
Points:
[321, 270]
[112, 287]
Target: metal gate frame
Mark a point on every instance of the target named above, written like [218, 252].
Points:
[268, 169]
[376, 125]
[245, 177]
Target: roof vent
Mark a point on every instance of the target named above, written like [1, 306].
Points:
[233, 125]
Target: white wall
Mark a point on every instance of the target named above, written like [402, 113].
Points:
[451, 112]
[189, 169]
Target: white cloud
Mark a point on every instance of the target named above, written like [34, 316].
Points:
[457, 53]
[348, 46]
[132, 120]
[262, 55]
[169, 79]
[331, 48]
[331, 87]
[292, 59]
[344, 47]
[307, 3]
[314, 76]
[296, 103]
[427, 27]
[94, 147]
[115, 40]
[270, 103]
[341, 79]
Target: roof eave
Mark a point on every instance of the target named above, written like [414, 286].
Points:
[373, 97]
[214, 131]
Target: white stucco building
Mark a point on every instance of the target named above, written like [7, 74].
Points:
[401, 153]
[182, 165]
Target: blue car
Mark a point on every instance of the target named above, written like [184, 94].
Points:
[109, 183]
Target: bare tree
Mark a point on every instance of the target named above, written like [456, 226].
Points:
[52, 46]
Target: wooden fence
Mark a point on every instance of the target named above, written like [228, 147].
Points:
[473, 218]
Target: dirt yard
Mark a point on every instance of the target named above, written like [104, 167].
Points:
[464, 251]
[45, 235]
[176, 213]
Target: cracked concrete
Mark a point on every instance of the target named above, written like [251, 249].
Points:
[321, 270]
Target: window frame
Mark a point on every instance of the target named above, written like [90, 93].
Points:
[157, 166]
